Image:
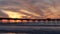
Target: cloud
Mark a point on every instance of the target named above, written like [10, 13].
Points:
[41, 7]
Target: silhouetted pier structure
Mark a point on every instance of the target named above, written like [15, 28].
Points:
[30, 19]
[29, 22]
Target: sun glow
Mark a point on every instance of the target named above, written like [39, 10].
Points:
[12, 14]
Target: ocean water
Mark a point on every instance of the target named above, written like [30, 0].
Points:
[45, 27]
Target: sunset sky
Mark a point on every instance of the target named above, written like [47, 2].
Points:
[31, 9]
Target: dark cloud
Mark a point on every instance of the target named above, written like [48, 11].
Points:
[3, 15]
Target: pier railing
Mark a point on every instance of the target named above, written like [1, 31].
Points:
[11, 21]
[26, 20]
